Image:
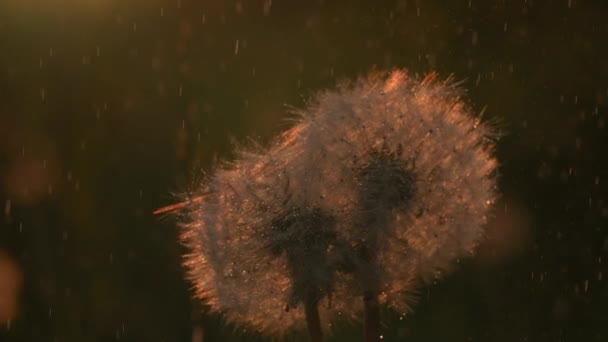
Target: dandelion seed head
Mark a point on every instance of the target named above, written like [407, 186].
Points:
[255, 254]
[406, 164]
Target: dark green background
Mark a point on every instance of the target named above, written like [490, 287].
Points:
[136, 102]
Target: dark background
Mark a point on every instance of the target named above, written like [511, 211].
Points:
[107, 106]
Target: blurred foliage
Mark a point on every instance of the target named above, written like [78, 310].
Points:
[108, 106]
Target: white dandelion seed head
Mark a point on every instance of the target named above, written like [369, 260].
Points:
[406, 168]
[244, 239]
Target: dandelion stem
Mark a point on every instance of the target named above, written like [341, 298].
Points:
[372, 317]
[312, 319]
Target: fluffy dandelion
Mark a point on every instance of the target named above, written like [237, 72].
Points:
[407, 171]
[259, 257]
[380, 185]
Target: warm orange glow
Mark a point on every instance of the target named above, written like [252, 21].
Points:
[10, 284]
[30, 180]
[396, 78]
